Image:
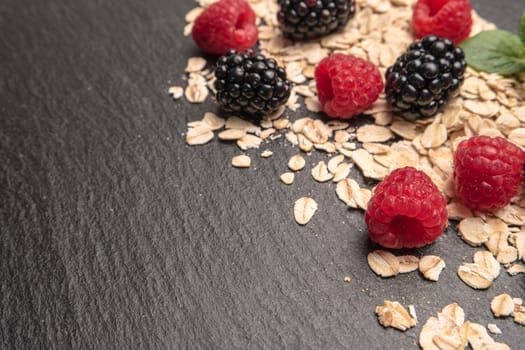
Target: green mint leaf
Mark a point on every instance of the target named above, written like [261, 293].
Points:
[495, 51]
[522, 27]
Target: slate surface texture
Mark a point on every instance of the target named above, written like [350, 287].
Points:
[116, 235]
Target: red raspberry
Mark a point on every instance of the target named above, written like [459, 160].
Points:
[487, 172]
[225, 25]
[407, 210]
[347, 85]
[445, 18]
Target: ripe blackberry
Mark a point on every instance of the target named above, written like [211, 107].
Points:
[309, 19]
[250, 84]
[422, 80]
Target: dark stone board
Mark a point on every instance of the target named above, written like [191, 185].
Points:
[114, 234]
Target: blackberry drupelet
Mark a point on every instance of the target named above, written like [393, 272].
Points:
[425, 77]
[309, 19]
[250, 84]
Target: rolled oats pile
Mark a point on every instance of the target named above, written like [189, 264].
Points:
[487, 104]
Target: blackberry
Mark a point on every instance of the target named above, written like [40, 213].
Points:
[422, 79]
[309, 19]
[250, 84]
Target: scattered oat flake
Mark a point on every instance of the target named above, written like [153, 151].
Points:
[431, 266]
[515, 269]
[304, 210]
[393, 314]
[342, 171]
[368, 165]
[296, 162]
[266, 153]
[511, 214]
[312, 104]
[231, 134]
[475, 276]
[486, 260]
[304, 90]
[519, 243]
[196, 91]
[292, 138]
[280, 124]
[199, 135]
[267, 133]
[362, 197]
[347, 279]
[408, 263]
[214, 122]
[320, 172]
[305, 144]
[458, 211]
[193, 14]
[249, 141]
[235, 122]
[241, 161]
[316, 131]
[176, 92]
[373, 133]
[328, 147]
[195, 64]
[493, 328]
[473, 230]
[447, 331]
[287, 178]
[479, 338]
[502, 305]
[405, 129]
[412, 311]
[334, 162]
[383, 263]
[434, 135]
[519, 314]
[347, 190]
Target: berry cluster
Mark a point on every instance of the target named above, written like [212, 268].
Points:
[250, 84]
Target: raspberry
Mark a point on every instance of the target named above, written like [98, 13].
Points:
[445, 18]
[309, 19]
[406, 210]
[347, 85]
[425, 77]
[225, 25]
[250, 84]
[487, 172]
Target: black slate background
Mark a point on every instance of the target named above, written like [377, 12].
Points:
[114, 234]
